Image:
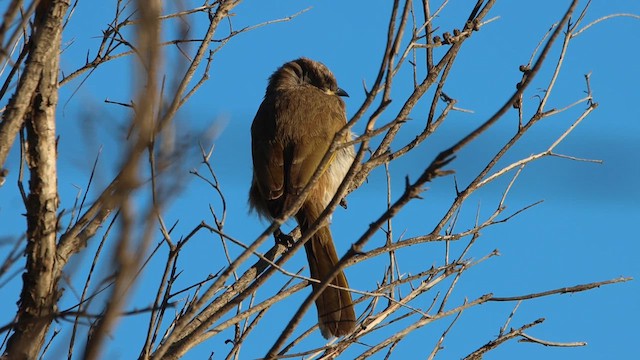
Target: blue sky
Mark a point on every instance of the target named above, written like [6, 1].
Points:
[584, 231]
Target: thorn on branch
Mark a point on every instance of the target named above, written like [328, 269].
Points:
[364, 87]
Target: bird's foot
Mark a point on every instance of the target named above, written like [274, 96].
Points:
[283, 239]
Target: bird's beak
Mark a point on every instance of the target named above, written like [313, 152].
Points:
[341, 92]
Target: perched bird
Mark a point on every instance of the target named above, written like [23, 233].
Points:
[301, 113]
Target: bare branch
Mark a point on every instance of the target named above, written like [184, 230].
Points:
[563, 290]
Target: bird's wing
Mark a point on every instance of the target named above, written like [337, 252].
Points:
[268, 155]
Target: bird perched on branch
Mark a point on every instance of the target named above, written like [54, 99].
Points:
[294, 127]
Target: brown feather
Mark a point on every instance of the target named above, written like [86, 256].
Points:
[291, 132]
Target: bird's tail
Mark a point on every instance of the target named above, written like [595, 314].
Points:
[336, 316]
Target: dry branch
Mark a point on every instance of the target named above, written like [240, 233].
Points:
[227, 301]
[34, 104]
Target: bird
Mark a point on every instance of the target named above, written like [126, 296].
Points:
[294, 126]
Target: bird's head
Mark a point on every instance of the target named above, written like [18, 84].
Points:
[304, 71]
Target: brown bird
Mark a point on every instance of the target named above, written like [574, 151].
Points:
[292, 130]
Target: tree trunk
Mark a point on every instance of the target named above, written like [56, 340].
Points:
[35, 107]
